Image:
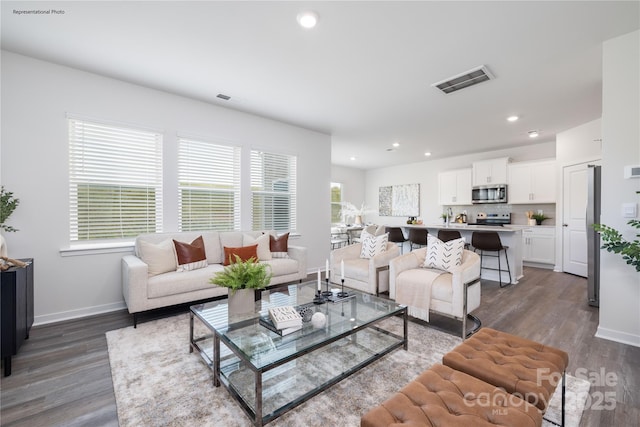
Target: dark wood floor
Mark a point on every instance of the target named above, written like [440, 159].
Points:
[61, 377]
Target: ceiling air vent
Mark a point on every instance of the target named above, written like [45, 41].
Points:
[223, 96]
[468, 78]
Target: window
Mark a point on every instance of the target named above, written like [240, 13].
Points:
[115, 181]
[209, 186]
[273, 191]
[336, 202]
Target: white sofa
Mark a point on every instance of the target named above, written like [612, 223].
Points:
[144, 291]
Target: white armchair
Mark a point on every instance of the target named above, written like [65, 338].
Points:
[453, 294]
[366, 275]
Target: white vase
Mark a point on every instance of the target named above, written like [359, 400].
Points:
[241, 301]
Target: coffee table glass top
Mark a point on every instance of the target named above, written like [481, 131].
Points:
[262, 347]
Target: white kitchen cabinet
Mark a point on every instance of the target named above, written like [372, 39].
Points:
[539, 245]
[454, 187]
[492, 171]
[532, 182]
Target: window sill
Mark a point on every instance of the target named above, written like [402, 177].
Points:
[97, 248]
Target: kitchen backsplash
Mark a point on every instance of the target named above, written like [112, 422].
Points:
[518, 212]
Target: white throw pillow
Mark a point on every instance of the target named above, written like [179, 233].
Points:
[264, 253]
[443, 255]
[160, 257]
[373, 245]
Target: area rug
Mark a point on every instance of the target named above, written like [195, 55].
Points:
[157, 382]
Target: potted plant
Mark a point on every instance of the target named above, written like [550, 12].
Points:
[539, 217]
[8, 204]
[242, 278]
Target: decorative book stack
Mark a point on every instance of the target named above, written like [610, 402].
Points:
[283, 320]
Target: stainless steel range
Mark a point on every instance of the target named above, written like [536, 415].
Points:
[498, 219]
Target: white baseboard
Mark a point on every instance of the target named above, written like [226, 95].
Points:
[617, 336]
[75, 314]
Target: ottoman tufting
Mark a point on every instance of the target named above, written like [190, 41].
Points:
[522, 367]
[441, 396]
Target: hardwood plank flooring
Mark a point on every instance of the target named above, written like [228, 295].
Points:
[61, 376]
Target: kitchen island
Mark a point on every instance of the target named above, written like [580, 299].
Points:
[511, 237]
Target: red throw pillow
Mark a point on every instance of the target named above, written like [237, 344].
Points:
[190, 256]
[245, 253]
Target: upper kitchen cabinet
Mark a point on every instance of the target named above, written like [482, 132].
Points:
[532, 182]
[492, 171]
[454, 187]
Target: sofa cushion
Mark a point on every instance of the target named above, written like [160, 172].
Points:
[373, 245]
[160, 258]
[443, 255]
[244, 252]
[440, 286]
[174, 283]
[190, 256]
[279, 245]
[282, 266]
[263, 251]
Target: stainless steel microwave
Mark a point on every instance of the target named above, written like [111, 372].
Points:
[489, 193]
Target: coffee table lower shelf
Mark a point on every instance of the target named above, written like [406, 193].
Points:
[268, 392]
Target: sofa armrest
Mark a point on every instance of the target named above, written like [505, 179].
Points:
[299, 253]
[402, 263]
[383, 259]
[134, 282]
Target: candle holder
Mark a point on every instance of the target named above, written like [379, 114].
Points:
[319, 299]
[342, 293]
[327, 293]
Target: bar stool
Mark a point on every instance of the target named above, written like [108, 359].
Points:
[446, 235]
[418, 237]
[396, 236]
[489, 241]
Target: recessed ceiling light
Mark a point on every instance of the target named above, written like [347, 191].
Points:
[512, 118]
[307, 19]
[533, 134]
[428, 153]
[352, 158]
[396, 144]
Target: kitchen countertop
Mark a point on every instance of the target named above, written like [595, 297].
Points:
[459, 226]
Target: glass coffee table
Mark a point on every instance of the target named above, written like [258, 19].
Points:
[269, 374]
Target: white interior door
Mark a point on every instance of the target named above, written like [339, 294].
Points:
[574, 233]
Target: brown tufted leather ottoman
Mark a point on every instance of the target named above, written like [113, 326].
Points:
[441, 396]
[522, 367]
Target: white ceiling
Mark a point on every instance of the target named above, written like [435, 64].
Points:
[363, 75]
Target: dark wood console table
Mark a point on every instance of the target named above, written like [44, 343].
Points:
[16, 301]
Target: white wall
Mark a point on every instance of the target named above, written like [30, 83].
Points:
[579, 145]
[37, 95]
[353, 180]
[426, 174]
[619, 282]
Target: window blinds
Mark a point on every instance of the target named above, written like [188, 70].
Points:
[209, 186]
[273, 190]
[115, 181]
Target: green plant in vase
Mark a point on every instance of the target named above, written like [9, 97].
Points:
[539, 218]
[241, 274]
